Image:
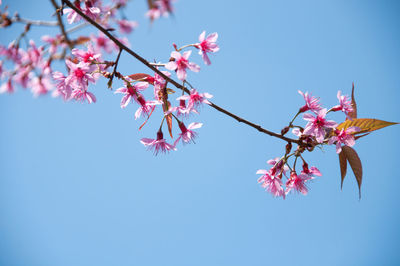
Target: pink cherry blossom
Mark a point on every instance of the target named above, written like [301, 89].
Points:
[271, 183]
[7, 87]
[310, 172]
[86, 56]
[344, 136]
[61, 87]
[207, 45]
[317, 125]
[82, 95]
[278, 167]
[187, 134]
[312, 103]
[181, 63]
[90, 10]
[154, 13]
[297, 182]
[130, 92]
[196, 99]
[157, 145]
[40, 85]
[344, 104]
[103, 42]
[22, 76]
[126, 26]
[182, 110]
[79, 74]
[146, 107]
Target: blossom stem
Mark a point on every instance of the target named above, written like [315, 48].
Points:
[185, 46]
[176, 84]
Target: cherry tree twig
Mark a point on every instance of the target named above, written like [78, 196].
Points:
[61, 24]
[176, 84]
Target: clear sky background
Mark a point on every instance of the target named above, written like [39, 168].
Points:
[78, 188]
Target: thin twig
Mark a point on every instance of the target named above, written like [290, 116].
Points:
[114, 70]
[176, 84]
[35, 22]
[61, 24]
[77, 27]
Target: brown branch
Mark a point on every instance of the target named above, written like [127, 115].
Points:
[176, 84]
[61, 24]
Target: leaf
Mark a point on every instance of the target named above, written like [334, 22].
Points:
[81, 40]
[169, 120]
[139, 76]
[365, 124]
[355, 163]
[353, 114]
[170, 91]
[343, 166]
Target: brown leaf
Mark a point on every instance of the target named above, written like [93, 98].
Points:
[365, 124]
[81, 40]
[355, 163]
[343, 167]
[169, 120]
[353, 114]
[139, 76]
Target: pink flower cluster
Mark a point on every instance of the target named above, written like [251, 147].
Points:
[31, 67]
[271, 180]
[188, 103]
[317, 132]
[159, 8]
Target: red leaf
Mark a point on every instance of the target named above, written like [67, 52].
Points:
[353, 114]
[139, 76]
[343, 166]
[355, 163]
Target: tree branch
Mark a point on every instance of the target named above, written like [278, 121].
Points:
[176, 84]
[61, 24]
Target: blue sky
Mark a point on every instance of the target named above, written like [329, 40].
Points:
[78, 188]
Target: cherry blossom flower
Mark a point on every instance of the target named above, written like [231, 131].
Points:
[344, 136]
[297, 182]
[317, 125]
[126, 26]
[182, 110]
[86, 56]
[310, 172]
[278, 166]
[271, 183]
[54, 42]
[7, 87]
[40, 85]
[207, 45]
[153, 13]
[312, 103]
[146, 107]
[187, 134]
[82, 95]
[344, 104]
[130, 92]
[79, 73]
[61, 87]
[103, 42]
[157, 145]
[90, 10]
[195, 99]
[22, 76]
[181, 63]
